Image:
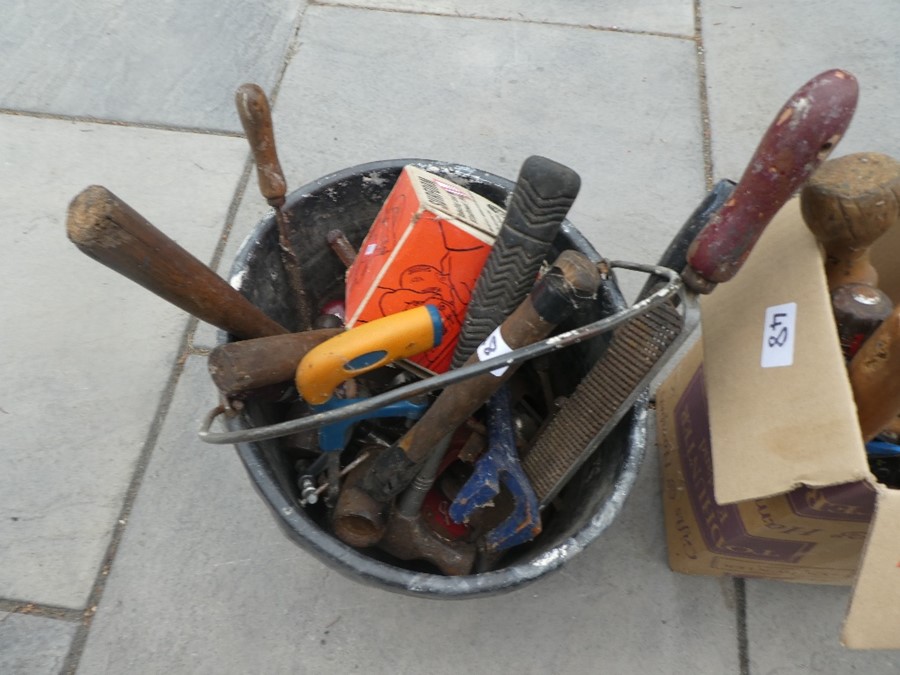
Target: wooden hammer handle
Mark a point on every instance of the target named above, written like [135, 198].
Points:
[256, 118]
[875, 378]
[108, 230]
[239, 367]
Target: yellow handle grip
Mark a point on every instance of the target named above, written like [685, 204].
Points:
[366, 347]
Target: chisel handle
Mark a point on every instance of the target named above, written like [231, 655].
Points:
[256, 118]
[800, 138]
[366, 347]
[543, 194]
[108, 230]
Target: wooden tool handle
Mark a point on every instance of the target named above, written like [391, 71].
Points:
[238, 367]
[848, 204]
[800, 138]
[875, 377]
[256, 118]
[108, 230]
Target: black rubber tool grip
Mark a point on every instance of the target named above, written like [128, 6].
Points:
[543, 195]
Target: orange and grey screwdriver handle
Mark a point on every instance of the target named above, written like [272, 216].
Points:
[108, 230]
[800, 138]
[875, 378]
[848, 204]
[256, 118]
[367, 347]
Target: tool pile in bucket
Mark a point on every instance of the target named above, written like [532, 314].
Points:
[421, 418]
[848, 205]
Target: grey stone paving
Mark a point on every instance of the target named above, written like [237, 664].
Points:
[151, 61]
[209, 557]
[202, 581]
[85, 354]
[758, 53]
[33, 645]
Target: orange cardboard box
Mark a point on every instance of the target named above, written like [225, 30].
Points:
[763, 465]
[426, 246]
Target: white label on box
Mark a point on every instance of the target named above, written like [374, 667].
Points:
[493, 346]
[778, 336]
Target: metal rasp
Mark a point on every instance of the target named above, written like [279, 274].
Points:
[543, 194]
[800, 138]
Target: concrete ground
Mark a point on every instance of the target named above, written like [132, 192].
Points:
[128, 545]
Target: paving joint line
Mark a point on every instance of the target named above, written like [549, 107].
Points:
[87, 119]
[190, 349]
[704, 95]
[76, 649]
[743, 645]
[477, 17]
[43, 611]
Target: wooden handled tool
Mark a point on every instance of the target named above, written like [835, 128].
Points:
[800, 138]
[858, 311]
[848, 204]
[544, 192]
[256, 118]
[796, 142]
[358, 516]
[247, 365]
[572, 280]
[875, 378]
[108, 230]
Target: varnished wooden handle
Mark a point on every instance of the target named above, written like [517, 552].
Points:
[108, 230]
[799, 139]
[848, 204]
[875, 377]
[238, 367]
[256, 118]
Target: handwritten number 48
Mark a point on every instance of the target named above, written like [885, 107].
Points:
[779, 330]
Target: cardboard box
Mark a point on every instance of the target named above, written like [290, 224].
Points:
[763, 466]
[427, 246]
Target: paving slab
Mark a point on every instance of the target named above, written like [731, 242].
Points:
[759, 53]
[794, 629]
[204, 582]
[662, 16]
[151, 61]
[620, 109]
[85, 353]
[33, 645]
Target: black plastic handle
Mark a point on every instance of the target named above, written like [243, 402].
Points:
[543, 195]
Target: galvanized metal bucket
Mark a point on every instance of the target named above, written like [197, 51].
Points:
[350, 200]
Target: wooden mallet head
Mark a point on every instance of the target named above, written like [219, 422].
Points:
[848, 204]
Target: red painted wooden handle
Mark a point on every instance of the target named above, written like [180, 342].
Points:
[800, 138]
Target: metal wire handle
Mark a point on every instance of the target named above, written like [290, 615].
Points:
[672, 286]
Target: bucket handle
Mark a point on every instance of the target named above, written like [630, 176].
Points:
[670, 288]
